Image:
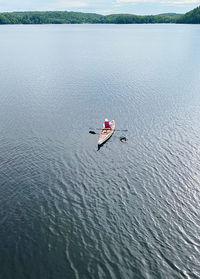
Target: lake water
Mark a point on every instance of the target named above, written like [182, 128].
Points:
[129, 210]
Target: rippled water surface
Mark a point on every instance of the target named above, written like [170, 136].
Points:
[129, 210]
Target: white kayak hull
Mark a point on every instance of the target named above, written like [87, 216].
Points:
[106, 133]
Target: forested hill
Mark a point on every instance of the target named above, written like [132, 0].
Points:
[75, 17]
[174, 15]
[190, 17]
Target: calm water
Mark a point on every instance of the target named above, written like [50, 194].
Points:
[129, 210]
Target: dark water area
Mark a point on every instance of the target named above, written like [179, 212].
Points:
[129, 210]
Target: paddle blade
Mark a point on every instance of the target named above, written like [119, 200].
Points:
[92, 132]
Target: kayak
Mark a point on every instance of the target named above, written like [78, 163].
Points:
[106, 133]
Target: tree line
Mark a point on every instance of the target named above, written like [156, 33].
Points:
[190, 17]
[74, 18]
[81, 18]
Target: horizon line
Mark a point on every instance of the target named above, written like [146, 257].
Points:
[70, 11]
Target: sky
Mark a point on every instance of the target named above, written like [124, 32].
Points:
[139, 7]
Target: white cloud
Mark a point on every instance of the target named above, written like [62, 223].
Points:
[182, 2]
[61, 5]
[20, 5]
[101, 6]
[69, 4]
[172, 2]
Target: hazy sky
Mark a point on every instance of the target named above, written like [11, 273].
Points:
[102, 6]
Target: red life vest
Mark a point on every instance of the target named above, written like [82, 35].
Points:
[107, 125]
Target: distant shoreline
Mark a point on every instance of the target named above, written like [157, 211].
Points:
[57, 17]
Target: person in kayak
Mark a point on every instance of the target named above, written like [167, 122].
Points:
[107, 124]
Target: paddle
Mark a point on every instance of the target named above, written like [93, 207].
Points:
[98, 129]
[122, 138]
